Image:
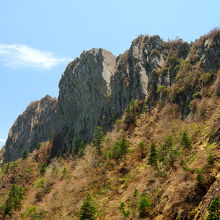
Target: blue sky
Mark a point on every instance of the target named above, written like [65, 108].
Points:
[39, 37]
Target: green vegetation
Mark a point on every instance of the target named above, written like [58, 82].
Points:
[199, 176]
[161, 89]
[98, 137]
[184, 165]
[120, 149]
[131, 112]
[43, 168]
[125, 212]
[168, 144]
[167, 153]
[177, 94]
[205, 78]
[25, 155]
[196, 95]
[152, 159]
[88, 210]
[144, 205]
[211, 158]
[40, 183]
[185, 141]
[173, 61]
[214, 209]
[34, 213]
[7, 166]
[13, 201]
[77, 146]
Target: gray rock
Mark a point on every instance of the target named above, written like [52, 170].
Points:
[95, 89]
[32, 126]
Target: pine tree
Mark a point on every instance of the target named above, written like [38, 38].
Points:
[185, 140]
[144, 205]
[25, 155]
[88, 210]
[152, 159]
[13, 201]
[98, 137]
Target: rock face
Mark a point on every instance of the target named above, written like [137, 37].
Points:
[96, 88]
[34, 125]
[85, 93]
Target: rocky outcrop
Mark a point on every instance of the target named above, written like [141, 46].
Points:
[34, 125]
[96, 88]
[84, 98]
[212, 193]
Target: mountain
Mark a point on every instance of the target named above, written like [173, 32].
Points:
[157, 105]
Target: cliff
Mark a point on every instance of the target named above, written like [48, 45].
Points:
[158, 104]
[96, 88]
[34, 124]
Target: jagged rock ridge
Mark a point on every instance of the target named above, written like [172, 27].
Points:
[96, 88]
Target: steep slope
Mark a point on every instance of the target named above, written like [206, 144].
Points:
[96, 88]
[159, 103]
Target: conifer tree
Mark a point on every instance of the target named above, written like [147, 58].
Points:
[98, 137]
[152, 159]
[88, 210]
[185, 140]
[25, 155]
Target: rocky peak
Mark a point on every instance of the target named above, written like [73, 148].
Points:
[96, 88]
[34, 124]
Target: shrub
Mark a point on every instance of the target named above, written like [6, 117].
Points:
[7, 166]
[98, 137]
[40, 183]
[205, 78]
[211, 158]
[199, 176]
[77, 145]
[143, 205]
[176, 68]
[184, 165]
[120, 149]
[13, 201]
[173, 61]
[131, 112]
[152, 159]
[88, 210]
[25, 155]
[125, 212]
[161, 89]
[34, 213]
[43, 168]
[38, 145]
[185, 141]
[165, 148]
[167, 153]
[214, 209]
[196, 95]
[177, 94]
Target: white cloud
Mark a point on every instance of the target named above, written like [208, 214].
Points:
[2, 140]
[18, 55]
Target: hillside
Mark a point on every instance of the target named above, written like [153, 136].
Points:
[136, 136]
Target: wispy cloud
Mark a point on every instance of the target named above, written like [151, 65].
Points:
[19, 55]
[2, 140]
